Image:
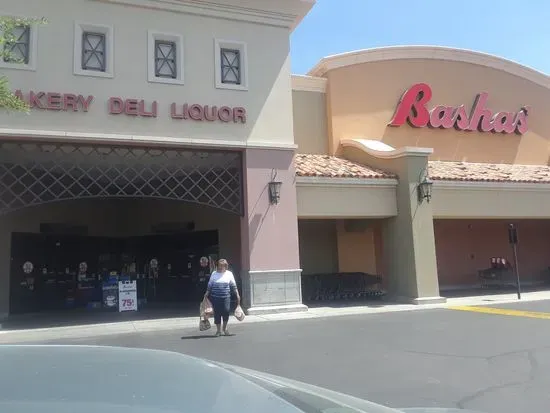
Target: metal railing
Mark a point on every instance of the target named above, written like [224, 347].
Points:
[340, 286]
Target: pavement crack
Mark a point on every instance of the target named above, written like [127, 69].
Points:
[461, 404]
[508, 353]
[533, 368]
[425, 353]
[534, 364]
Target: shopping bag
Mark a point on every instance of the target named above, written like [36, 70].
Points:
[206, 309]
[239, 313]
[204, 324]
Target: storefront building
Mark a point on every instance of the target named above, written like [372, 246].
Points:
[372, 126]
[163, 135]
[155, 129]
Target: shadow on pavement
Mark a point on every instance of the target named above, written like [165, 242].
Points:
[371, 303]
[197, 337]
[206, 335]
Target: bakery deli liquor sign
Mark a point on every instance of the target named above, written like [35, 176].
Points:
[69, 102]
[413, 108]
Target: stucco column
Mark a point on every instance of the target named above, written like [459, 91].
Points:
[271, 271]
[408, 238]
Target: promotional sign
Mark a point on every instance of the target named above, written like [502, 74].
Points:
[412, 108]
[110, 295]
[127, 296]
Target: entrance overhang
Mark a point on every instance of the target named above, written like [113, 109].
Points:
[33, 173]
[491, 200]
[346, 197]
[334, 187]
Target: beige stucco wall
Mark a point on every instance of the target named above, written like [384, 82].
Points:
[268, 100]
[116, 218]
[347, 198]
[310, 121]
[356, 248]
[363, 98]
[327, 246]
[407, 238]
[318, 246]
[504, 201]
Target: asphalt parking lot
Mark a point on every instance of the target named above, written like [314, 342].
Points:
[538, 306]
[432, 358]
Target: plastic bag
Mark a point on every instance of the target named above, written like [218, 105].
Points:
[205, 312]
[204, 324]
[239, 313]
[206, 309]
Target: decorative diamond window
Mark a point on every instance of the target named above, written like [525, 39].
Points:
[231, 66]
[39, 173]
[17, 49]
[94, 56]
[165, 59]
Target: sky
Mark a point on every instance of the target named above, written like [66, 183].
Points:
[515, 30]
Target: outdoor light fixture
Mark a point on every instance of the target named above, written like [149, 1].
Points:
[424, 190]
[274, 192]
[274, 189]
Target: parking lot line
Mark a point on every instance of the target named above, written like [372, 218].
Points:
[502, 311]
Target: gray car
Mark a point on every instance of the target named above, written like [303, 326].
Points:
[86, 379]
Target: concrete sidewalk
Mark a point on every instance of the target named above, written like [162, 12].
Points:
[144, 326]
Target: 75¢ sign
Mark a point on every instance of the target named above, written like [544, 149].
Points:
[127, 296]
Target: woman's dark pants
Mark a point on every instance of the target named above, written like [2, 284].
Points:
[221, 309]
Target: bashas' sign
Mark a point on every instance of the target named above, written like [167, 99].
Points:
[412, 109]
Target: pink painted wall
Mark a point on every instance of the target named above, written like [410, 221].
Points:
[269, 233]
[465, 246]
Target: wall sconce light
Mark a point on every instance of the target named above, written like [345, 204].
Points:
[274, 189]
[274, 192]
[425, 190]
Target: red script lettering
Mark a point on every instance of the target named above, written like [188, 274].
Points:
[412, 109]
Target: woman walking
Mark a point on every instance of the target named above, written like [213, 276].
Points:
[220, 287]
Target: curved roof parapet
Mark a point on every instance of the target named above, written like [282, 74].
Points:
[428, 52]
[379, 149]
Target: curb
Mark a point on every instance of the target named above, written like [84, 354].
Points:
[147, 326]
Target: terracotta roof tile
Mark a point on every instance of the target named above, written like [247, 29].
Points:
[334, 167]
[485, 172]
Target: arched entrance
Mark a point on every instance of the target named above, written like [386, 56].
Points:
[120, 210]
[38, 173]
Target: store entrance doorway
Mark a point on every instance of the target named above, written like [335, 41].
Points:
[54, 272]
[50, 270]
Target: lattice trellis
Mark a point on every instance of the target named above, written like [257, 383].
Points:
[38, 173]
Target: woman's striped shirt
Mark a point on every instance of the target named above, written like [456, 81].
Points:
[221, 284]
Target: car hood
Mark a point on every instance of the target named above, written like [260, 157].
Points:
[436, 410]
[340, 398]
[88, 379]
